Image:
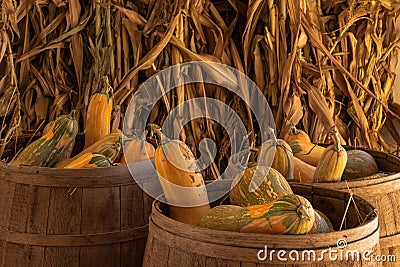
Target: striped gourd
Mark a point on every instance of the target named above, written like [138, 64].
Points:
[332, 163]
[176, 169]
[110, 146]
[272, 185]
[55, 145]
[359, 164]
[68, 153]
[89, 160]
[290, 214]
[48, 127]
[281, 153]
[98, 117]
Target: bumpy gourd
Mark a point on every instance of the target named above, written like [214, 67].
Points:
[272, 185]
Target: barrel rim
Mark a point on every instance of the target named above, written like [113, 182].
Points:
[60, 177]
[254, 240]
[242, 252]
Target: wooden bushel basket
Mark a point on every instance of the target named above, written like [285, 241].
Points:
[384, 194]
[172, 243]
[71, 217]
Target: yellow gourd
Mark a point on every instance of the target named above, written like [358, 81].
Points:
[175, 165]
[281, 153]
[332, 163]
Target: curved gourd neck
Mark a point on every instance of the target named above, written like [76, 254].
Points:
[336, 139]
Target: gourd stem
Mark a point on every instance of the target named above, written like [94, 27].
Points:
[293, 130]
[73, 114]
[156, 131]
[303, 212]
[105, 86]
[274, 139]
[336, 139]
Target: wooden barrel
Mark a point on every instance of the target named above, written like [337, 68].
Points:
[65, 217]
[384, 194]
[171, 243]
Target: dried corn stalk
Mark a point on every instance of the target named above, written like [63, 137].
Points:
[319, 63]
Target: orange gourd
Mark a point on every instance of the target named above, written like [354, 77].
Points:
[98, 117]
[303, 172]
[296, 134]
[308, 152]
[137, 150]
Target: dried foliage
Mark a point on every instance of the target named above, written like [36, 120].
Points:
[319, 63]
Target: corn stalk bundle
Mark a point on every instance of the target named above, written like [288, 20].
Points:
[361, 39]
[326, 63]
[319, 63]
[174, 32]
[9, 94]
[46, 56]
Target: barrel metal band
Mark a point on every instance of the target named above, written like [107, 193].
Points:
[73, 240]
[389, 241]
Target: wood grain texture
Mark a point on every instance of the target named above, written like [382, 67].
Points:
[170, 241]
[57, 217]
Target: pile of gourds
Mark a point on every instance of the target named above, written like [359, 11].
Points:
[103, 146]
[314, 163]
[261, 199]
[271, 207]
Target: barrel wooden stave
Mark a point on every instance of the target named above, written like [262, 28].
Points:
[60, 217]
